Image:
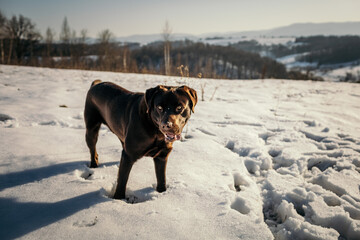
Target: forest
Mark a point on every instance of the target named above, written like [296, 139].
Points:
[330, 50]
[22, 44]
[322, 50]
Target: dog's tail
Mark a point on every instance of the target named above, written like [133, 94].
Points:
[97, 81]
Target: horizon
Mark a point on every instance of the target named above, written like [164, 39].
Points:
[140, 17]
[230, 32]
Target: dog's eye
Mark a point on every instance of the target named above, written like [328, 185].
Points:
[160, 108]
[179, 108]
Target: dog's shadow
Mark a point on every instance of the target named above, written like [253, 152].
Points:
[9, 180]
[20, 218]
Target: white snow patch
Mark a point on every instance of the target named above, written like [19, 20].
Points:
[263, 159]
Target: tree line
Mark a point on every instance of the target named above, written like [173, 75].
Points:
[330, 50]
[22, 44]
[322, 50]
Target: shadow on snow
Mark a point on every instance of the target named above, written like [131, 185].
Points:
[32, 175]
[19, 218]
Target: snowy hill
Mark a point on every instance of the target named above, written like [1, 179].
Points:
[149, 38]
[261, 159]
[314, 29]
[285, 32]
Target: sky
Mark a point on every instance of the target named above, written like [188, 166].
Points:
[132, 17]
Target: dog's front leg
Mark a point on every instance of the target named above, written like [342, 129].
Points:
[126, 164]
[160, 169]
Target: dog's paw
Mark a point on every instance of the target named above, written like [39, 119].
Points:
[132, 199]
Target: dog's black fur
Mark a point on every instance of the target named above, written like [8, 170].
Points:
[146, 124]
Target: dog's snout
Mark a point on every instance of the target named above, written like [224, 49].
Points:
[167, 125]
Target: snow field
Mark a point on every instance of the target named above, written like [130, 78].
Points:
[262, 160]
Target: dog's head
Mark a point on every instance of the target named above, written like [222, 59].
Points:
[170, 108]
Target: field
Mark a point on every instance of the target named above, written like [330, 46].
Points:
[259, 159]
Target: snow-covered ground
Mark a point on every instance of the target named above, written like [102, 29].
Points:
[261, 159]
[291, 61]
[263, 40]
[340, 73]
[332, 73]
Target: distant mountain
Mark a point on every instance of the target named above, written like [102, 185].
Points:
[297, 30]
[145, 39]
[293, 30]
[311, 29]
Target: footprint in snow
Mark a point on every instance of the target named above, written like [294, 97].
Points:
[5, 117]
[266, 136]
[240, 205]
[310, 123]
[85, 223]
[240, 182]
[274, 152]
[85, 174]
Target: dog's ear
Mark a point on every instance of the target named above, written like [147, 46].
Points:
[149, 97]
[191, 93]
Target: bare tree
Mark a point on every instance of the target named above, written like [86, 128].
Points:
[49, 39]
[74, 51]
[73, 39]
[82, 40]
[2, 35]
[83, 36]
[65, 33]
[166, 33]
[105, 37]
[22, 34]
[126, 58]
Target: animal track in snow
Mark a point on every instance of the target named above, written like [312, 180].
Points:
[274, 152]
[332, 201]
[85, 223]
[141, 195]
[313, 137]
[266, 136]
[328, 172]
[321, 163]
[8, 121]
[239, 181]
[310, 123]
[242, 152]
[240, 205]
[86, 173]
[5, 117]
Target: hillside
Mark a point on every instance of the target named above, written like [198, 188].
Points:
[314, 29]
[258, 159]
[293, 30]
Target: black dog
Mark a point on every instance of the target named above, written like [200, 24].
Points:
[146, 124]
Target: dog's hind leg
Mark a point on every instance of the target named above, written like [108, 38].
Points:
[91, 140]
[92, 122]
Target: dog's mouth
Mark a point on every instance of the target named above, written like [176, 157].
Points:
[171, 137]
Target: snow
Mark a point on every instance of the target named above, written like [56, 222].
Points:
[338, 73]
[263, 159]
[291, 61]
[226, 39]
[330, 72]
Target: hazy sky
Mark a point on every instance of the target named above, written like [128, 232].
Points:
[130, 17]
